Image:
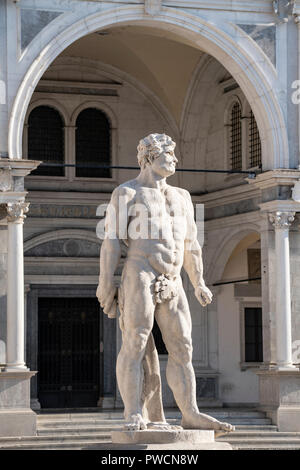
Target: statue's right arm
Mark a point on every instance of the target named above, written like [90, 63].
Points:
[110, 254]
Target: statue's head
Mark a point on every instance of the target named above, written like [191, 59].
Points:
[154, 146]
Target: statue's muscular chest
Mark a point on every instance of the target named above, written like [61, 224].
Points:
[159, 203]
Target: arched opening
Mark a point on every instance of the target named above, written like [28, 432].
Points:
[45, 137]
[92, 144]
[240, 322]
[256, 80]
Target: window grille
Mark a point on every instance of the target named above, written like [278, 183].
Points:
[236, 137]
[253, 335]
[46, 140]
[254, 143]
[93, 143]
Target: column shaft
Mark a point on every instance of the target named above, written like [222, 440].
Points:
[281, 222]
[283, 299]
[15, 289]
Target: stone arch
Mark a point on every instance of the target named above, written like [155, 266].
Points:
[77, 234]
[112, 73]
[95, 104]
[225, 250]
[52, 103]
[226, 42]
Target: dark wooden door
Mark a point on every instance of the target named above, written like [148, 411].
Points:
[69, 358]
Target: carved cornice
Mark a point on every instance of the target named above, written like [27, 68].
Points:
[16, 211]
[281, 220]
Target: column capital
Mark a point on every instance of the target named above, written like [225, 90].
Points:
[16, 211]
[281, 220]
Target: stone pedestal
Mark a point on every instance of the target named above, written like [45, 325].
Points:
[280, 398]
[16, 417]
[174, 439]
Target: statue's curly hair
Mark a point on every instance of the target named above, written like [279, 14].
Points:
[151, 146]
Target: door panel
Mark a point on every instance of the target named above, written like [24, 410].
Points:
[69, 359]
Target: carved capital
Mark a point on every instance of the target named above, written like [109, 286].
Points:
[283, 9]
[153, 7]
[16, 211]
[281, 220]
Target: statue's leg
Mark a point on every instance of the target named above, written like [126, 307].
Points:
[153, 406]
[137, 323]
[174, 320]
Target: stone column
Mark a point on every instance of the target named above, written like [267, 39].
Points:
[281, 222]
[15, 287]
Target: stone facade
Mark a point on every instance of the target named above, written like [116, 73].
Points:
[75, 54]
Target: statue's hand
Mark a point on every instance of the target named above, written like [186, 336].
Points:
[203, 295]
[107, 293]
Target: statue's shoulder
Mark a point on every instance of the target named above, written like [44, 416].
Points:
[127, 189]
[184, 193]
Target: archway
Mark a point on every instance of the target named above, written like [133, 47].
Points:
[240, 318]
[243, 59]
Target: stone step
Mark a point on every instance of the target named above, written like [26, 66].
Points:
[108, 428]
[170, 414]
[264, 444]
[88, 444]
[239, 434]
[78, 430]
[56, 439]
[120, 423]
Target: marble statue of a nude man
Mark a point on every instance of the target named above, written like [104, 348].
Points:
[151, 287]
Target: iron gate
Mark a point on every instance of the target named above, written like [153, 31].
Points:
[69, 358]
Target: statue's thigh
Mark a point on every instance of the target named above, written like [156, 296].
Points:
[138, 302]
[174, 320]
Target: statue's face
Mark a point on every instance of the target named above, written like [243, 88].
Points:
[165, 164]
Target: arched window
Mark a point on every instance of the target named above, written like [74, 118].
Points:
[254, 143]
[236, 137]
[46, 140]
[93, 144]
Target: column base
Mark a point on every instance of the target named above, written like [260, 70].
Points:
[12, 368]
[18, 422]
[16, 417]
[283, 368]
[280, 397]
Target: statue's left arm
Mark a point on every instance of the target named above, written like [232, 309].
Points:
[193, 263]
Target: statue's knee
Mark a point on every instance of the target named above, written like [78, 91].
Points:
[137, 341]
[183, 351]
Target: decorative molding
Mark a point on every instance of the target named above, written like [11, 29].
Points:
[16, 211]
[281, 220]
[64, 234]
[153, 7]
[281, 205]
[54, 279]
[5, 179]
